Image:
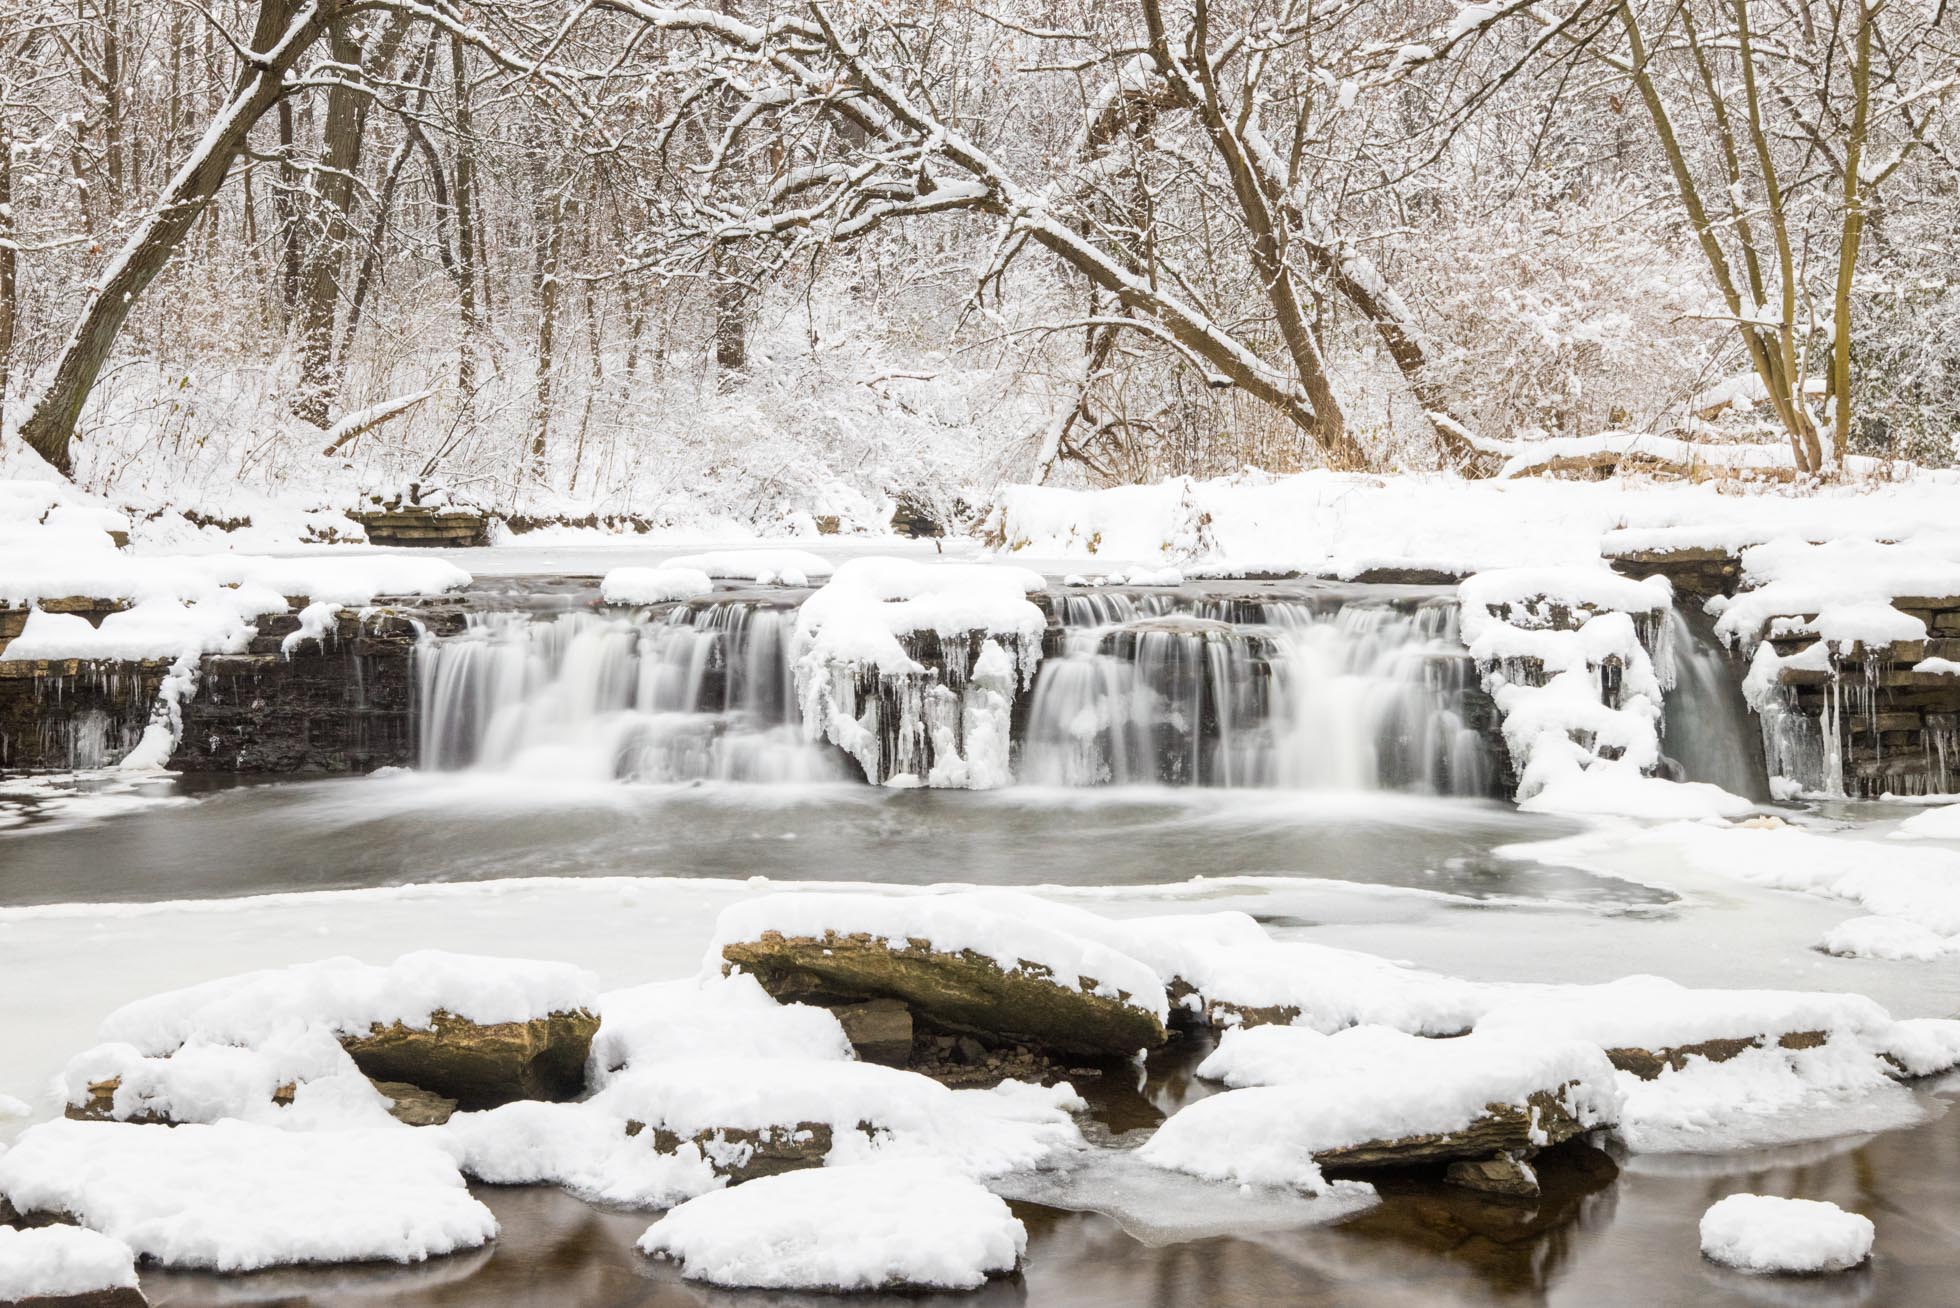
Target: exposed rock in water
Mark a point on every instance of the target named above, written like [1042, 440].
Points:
[481, 1066]
[743, 1154]
[1647, 1064]
[1500, 1174]
[121, 1296]
[962, 993]
[880, 1030]
[413, 1105]
[1541, 1121]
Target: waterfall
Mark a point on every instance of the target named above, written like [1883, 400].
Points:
[696, 694]
[1306, 694]
[1706, 732]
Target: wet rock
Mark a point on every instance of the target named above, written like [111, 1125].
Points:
[1541, 1121]
[1647, 1064]
[880, 1030]
[122, 1296]
[481, 1066]
[413, 1105]
[965, 993]
[743, 1154]
[1500, 1174]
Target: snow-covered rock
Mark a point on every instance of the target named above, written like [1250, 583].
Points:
[725, 1017]
[767, 567]
[300, 1076]
[1016, 978]
[56, 1262]
[235, 1196]
[1764, 1233]
[1374, 1096]
[876, 1227]
[653, 585]
[1887, 937]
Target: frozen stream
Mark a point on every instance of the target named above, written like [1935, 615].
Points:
[112, 889]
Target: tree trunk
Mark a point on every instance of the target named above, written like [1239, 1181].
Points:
[284, 32]
[9, 269]
[465, 205]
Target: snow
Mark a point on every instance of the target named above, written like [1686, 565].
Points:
[873, 1112]
[11, 1107]
[645, 1026]
[1940, 823]
[1310, 1093]
[653, 585]
[349, 997]
[233, 1196]
[869, 603]
[1651, 1012]
[1886, 937]
[768, 567]
[1334, 988]
[881, 1226]
[56, 1261]
[947, 925]
[1766, 1233]
[208, 1081]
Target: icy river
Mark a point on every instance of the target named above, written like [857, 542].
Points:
[571, 805]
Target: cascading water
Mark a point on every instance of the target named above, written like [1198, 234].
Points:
[1361, 694]
[1706, 732]
[699, 694]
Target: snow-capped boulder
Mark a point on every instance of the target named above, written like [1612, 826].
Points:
[883, 1226]
[1375, 1097]
[959, 969]
[481, 1031]
[66, 1267]
[1764, 1233]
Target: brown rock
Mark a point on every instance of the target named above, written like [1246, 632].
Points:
[965, 992]
[1521, 1129]
[414, 1105]
[481, 1066]
[743, 1154]
[879, 1029]
[1500, 1174]
[126, 1296]
[1648, 1064]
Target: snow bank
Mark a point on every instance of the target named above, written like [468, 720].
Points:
[764, 567]
[949, 925]
[1846, 582]
[733, 1017]
[1313, 1093]
[653, 585]
[886, 1226]
[348, 997]
[57, 1261]
[1764, 1233]
[233, 1196]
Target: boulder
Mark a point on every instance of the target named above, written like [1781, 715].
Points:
[880, 1030]
[1500, 1174]
[413, 1105]
[1647, 1064]
[742, 1154]
[1541, 1121]
[481, 1066]
[963, 992]
[100, 1106]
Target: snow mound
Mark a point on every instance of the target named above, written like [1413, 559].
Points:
[653, 585]
[871, 1112]
[205, 1081]
[1941, 823]
[233, 1197]
[1764, 1233]
[1312, 1093]
[729, 1017]
[57, 1261]
[1885, 937]
[1330, 988]
[764, 567]
[348, 997]
[1032, 940]
[870, 602]
[884, 1226]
